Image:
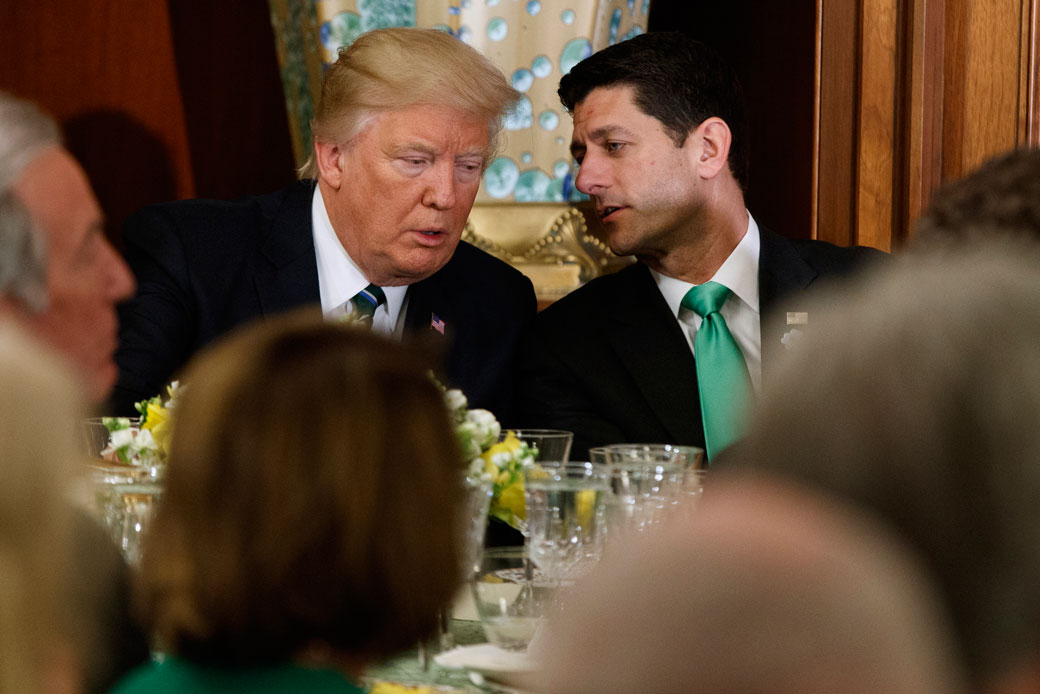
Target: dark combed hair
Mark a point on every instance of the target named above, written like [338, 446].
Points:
[677, 80]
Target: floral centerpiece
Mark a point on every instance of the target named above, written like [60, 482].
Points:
[147, 441]
[501, 462]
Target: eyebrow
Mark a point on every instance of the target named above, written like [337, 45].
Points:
[424, 148]
[601, 133]
[95, 228]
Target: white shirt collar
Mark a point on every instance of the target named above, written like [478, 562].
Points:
[339, 277]
[739, 273]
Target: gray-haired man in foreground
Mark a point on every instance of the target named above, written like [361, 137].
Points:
[60, 279]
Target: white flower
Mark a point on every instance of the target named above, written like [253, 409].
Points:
[455, 399]
[476, 469]
[791, 338]
[486, 427]
[466, 434]
[145, 441]
[121, 437]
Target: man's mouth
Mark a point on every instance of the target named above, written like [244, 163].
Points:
[607, 211]
[431, 237]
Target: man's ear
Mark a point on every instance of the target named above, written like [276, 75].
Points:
[329, 158]
[714, 138]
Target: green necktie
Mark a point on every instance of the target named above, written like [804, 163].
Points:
[367, 301]
[722, 375]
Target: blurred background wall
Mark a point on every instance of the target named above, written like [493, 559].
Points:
[859, 108]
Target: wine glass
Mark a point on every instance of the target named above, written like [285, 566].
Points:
[689, 458]
[544, 444]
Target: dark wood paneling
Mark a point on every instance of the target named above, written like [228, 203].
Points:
[105, 69]
[234, 107]
[159, 100]
[771, 46]
[838, 68]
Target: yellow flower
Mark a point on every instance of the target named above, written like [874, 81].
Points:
[157, 421]
[509, 444]
[512, 499]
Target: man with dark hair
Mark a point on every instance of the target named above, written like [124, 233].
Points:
[660, 136]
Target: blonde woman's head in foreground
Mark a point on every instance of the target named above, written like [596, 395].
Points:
[766, 588]
[40, 407]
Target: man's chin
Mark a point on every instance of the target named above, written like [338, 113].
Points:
[99, 380]
[418, 270]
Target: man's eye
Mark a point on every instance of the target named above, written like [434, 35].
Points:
[614, 146]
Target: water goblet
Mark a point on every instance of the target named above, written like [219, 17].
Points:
[510, 597]
[565, 516]
[689, 458]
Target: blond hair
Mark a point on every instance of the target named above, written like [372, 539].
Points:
[39, 412]
[391, 69]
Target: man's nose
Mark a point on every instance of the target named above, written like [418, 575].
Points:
[591, 177]
[440, 186]
[120, 283]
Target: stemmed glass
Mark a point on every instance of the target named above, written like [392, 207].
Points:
[123, 494]
[648, 481]
[472, 528]
[565, 516]
[544, 444]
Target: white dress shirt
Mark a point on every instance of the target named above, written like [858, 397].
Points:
[340, 279]
[739, 274]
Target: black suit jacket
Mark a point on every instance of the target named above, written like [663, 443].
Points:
[610, 362]
[204, 267]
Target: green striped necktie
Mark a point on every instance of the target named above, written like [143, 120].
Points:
[367, 301]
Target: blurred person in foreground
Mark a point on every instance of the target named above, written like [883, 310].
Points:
[919, 401]
[765, 588]
[407, 122]
[1001, 197]
[39, 409]
[313, 479]
[661, 137]
[60, 279]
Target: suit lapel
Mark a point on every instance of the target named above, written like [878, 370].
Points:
[287, 252]
[783, 275]
[428, 302]
[650, 343]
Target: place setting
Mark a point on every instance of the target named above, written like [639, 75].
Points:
[573, 512]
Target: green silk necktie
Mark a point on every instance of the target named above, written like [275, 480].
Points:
[367, 301]
[722, 375]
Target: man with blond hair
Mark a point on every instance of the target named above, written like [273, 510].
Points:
[407, 122]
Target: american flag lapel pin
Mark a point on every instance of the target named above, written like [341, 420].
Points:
[436, 323]
[793, 336]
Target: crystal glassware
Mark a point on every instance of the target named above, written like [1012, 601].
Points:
[566, 507]
[511, 598]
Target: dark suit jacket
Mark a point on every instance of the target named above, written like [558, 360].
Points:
[611, 363]
[204, 267]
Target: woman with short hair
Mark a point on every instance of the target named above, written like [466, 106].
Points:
[307, 524]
